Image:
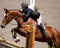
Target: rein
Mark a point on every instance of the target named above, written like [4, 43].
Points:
[12, 24]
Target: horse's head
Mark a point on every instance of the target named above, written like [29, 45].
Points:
[11, 14]
[7, 18]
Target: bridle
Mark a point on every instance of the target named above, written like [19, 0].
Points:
[8, 19]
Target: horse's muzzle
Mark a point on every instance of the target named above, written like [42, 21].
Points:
[2, 26]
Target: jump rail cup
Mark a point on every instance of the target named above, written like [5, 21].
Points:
[10, 43]
[30, 36]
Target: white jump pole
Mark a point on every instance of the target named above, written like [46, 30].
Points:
[32, 4]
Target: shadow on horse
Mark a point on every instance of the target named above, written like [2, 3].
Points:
[53, 35]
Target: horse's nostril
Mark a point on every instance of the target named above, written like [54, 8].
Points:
[2, 26]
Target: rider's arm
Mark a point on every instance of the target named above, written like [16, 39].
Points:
[28, 14]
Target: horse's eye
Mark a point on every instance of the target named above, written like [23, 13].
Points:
[6, 16]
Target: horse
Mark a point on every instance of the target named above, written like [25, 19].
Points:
[53, 35]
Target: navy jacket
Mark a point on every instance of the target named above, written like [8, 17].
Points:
[30, 13]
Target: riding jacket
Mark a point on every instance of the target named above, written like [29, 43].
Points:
[30, 13]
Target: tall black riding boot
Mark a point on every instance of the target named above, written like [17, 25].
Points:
[42, 30]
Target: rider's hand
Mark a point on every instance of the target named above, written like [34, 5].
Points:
[23, 14]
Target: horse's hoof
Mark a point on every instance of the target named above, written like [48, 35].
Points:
[17, 40]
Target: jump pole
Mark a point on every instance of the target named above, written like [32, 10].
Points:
[32, 4]
[10, 43]
[30, 36]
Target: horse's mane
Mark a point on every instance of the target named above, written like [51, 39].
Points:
[14, 9]
[15, 12]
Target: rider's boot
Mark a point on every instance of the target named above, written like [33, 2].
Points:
[42, 30]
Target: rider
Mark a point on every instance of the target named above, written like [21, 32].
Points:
[27, 12]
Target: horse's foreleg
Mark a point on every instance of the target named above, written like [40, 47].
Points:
[14, 35]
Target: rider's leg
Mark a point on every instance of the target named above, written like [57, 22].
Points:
[42, 29]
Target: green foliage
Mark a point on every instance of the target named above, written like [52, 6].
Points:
[53, 46]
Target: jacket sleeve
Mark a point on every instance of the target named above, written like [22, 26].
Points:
[38, 14]
[28, 14]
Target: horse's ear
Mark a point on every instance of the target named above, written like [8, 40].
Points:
[6, 10]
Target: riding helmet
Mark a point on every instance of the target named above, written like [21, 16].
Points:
[24, 4]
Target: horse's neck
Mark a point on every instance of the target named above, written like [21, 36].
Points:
[19, 21]
[18, 17]
[16, 13]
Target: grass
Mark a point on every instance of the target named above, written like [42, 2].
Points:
[52, 46]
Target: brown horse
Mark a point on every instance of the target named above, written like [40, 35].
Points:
[53, 35]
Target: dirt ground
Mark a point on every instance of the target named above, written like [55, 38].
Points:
[50, 12]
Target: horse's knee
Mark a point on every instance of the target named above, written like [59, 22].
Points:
[14, 29]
